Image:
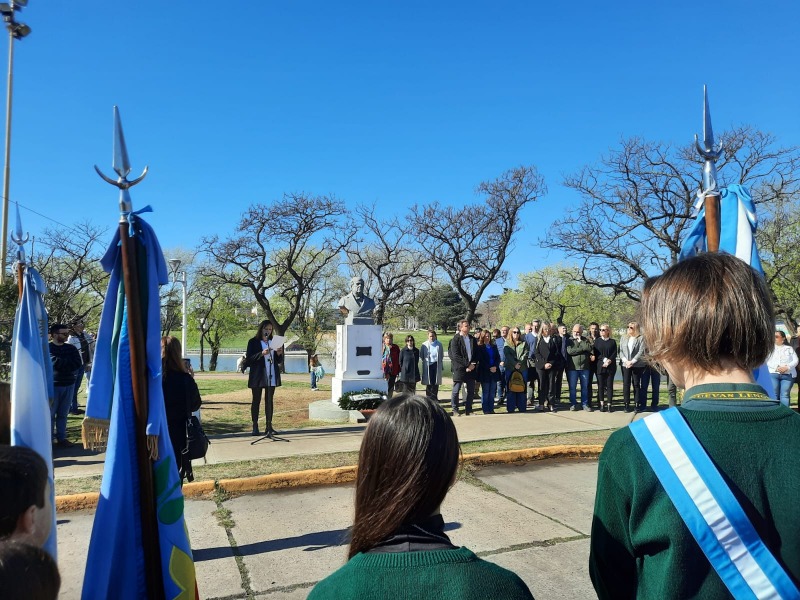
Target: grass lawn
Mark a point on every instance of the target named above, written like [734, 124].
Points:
[226, 404]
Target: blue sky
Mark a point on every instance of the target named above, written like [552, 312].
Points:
[394, 103]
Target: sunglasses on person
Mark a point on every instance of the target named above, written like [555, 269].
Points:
[515, 332]
[603, 329]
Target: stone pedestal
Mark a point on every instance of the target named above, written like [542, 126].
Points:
[358, 360]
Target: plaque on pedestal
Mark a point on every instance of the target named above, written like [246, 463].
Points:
[359, 349]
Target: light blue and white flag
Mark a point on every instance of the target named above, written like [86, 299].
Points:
[738, 223]
[32, 381]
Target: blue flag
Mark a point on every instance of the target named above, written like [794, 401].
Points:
[32, 381]
[115, 563]
[737, 229]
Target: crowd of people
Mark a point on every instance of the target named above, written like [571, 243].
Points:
[524, 367]
[730, 532]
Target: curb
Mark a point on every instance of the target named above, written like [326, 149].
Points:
[335, 475]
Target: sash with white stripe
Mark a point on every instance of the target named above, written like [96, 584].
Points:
[709, 509]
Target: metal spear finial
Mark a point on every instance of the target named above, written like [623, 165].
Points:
[710, 151]
[16, 237]
[122, 167]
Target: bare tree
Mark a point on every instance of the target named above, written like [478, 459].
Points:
[391, 262]
[70, 266]
[470, 244]
[637, 204]
[279, 250]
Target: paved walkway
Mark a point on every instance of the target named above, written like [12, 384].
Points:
[76, 462]
[533, 519]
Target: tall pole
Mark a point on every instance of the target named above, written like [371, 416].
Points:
[184, 326]
[7, 167]
[15, 31]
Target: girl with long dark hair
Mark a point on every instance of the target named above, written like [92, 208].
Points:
[264, 361]
[181, 399]
[408, 462]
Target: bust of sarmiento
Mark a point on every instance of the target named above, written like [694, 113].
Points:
[356, 306]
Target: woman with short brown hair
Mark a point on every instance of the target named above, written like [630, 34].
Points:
[709, 322]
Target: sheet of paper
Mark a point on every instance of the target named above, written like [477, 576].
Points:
[277, 341]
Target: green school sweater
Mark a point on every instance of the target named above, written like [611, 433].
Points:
[640, 546]
[433, 575]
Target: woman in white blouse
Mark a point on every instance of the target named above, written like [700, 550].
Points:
[432, 362]
[781, 364]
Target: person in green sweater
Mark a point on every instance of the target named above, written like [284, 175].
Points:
[709, 322]
[398, 549]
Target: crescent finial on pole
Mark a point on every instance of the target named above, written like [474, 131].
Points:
[122, 167]
[710, 151]
[709, 193]
[18, 239]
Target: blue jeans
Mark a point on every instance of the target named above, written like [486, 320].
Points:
[516, 400]
[488, 390]
[572, 380]
[782, 382]
[75, 389]
[313, 380]
[501, 385]
[59, 410]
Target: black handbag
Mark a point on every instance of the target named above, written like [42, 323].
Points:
[196, 439]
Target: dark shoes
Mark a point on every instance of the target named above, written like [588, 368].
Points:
[64, 444]
[77, 411]
[255, 429]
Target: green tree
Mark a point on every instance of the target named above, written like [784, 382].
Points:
[440, 307]
[220, 310]
[778, 239]
[556, 294]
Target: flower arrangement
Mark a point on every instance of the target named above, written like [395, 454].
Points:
[366, 399]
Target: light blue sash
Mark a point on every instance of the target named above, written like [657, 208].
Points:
[709, 509]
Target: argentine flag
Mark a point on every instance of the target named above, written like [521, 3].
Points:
[738, 224]
[32, 381]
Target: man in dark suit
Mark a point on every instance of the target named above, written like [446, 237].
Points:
[463, 358]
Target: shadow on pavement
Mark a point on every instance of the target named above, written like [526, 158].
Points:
[310, 542]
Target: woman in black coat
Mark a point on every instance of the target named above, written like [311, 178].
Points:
[548, 362]
[181, 399]
[264, 362]
[409, 366]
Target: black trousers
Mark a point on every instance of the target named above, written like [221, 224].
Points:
[632, 378]
[548, 389]
[605, 386]
[269, 404]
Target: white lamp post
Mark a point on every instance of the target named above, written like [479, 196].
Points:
[174, 265]
[16, 31]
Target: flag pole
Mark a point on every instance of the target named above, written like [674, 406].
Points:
[147, 497]
[710, 151]
[16, 237]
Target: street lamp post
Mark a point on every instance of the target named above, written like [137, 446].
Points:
[16, 31]
[174, 265]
